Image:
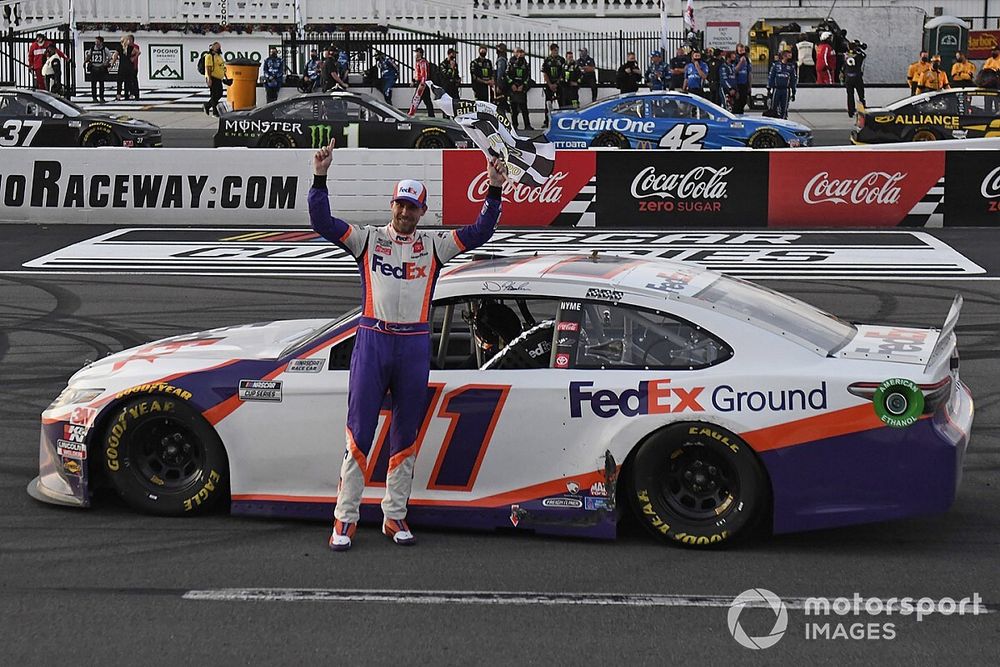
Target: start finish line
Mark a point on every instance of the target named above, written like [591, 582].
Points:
[816, 255]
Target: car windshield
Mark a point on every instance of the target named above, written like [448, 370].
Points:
[63, 106]
[317, 333]
[807, 323]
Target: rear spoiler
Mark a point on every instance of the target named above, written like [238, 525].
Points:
[947, 331]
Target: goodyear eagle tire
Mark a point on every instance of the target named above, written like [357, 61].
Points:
[97, 136]
[924, 134]
[163, 457]
[765, 139]
[277, 141]
[697, 485]
[609, 140]
[433, 139]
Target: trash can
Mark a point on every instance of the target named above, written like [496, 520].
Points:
[242, 93]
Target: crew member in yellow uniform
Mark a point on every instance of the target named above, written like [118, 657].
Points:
[215, 72]
[934, 78]
[990, 77]
[962, 72]
[916, 70]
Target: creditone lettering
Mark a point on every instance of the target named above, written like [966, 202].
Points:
[600, 124]
[48, 186]
[658, 397]
[408, 271]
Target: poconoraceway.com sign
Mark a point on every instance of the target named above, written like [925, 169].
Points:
[120, 186]
[821, 255]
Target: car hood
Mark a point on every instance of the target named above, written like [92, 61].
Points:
[263, 340]
[774, 122]
[118, 119]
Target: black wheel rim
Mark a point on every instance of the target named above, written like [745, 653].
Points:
[277, 142]
[766, 141]
[698, 484]
[101, 140]
[431, 142]
[166, 455]
[608, 142]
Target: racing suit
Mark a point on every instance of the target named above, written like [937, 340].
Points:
[825, 63]
[483, 76]
[392, 345]
[696, 77]
[274, 77]
[311, 75]
[744, 73]
[727, 85]
[656, 76]
[782, 81]
[854, 78]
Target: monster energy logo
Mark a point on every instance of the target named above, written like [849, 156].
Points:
[320, 135]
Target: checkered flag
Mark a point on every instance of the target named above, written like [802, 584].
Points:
[529, 161]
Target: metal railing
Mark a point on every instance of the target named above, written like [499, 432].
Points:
[14, 67]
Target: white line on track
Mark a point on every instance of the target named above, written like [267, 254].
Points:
[484, 598]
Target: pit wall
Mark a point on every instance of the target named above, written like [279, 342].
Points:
[950, 184]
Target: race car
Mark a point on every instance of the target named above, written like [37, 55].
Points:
[354, 120]
[705, 405]
[957, 113]
[672, 120]
[39, 118]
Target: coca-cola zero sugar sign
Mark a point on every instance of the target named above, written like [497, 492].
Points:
[466, 184]
[849, 189]
[686, 189]
[973, 179]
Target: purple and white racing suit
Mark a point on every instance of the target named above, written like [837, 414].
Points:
[392, 346]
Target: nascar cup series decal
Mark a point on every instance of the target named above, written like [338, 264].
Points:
[260, 390]
[898, 402]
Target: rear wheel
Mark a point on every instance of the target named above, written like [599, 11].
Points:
[277, 141]
[164, 458]
[925, 134]
[609, 140]
[766, 139]
[697, 484]
[433, 139]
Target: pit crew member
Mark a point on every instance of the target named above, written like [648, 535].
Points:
[399, 266]
[781, 84]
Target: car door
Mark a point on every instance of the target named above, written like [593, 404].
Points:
[982, 115]
[350, 122]
[19, 126]
[678, 121]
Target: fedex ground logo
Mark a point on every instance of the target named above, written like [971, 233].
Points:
[408, 271]
[649, 398]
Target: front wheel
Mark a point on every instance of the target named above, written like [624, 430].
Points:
[766, 139]
[697, 484]
[98, 136]
[433, 139]
[164, 458]
[924, 134]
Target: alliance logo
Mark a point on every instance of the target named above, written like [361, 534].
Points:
[409, 270]
[651, 397]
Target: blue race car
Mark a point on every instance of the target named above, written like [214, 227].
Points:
[669, 119]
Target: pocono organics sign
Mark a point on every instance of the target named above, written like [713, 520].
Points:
[689, 189]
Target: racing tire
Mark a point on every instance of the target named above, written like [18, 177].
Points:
[433, 139]
[766, 139]
[100, 136]
[162, 457]
[697, 485]
[277, 141]
[609, 140]
[924, 134]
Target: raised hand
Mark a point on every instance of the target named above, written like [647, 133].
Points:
[323, 157]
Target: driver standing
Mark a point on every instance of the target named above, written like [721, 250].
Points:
[399, 266]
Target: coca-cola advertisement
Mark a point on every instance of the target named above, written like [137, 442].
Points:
[564, 200]
[973, 179]
[853, 188]
[681, 189]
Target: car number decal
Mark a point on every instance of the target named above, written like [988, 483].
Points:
[684, 135]
[10, 135]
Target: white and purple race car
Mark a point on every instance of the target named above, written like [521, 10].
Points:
[706, 405]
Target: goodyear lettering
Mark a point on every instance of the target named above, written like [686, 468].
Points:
[701, 539]
[647, 508]
[408, 271]
[950, 122]
[156, 388]
[197, 499]
[119, 428]
[651, 397]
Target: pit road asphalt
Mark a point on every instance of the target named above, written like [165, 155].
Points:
[105, 586]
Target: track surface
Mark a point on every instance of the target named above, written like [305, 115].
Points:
[106, 585]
